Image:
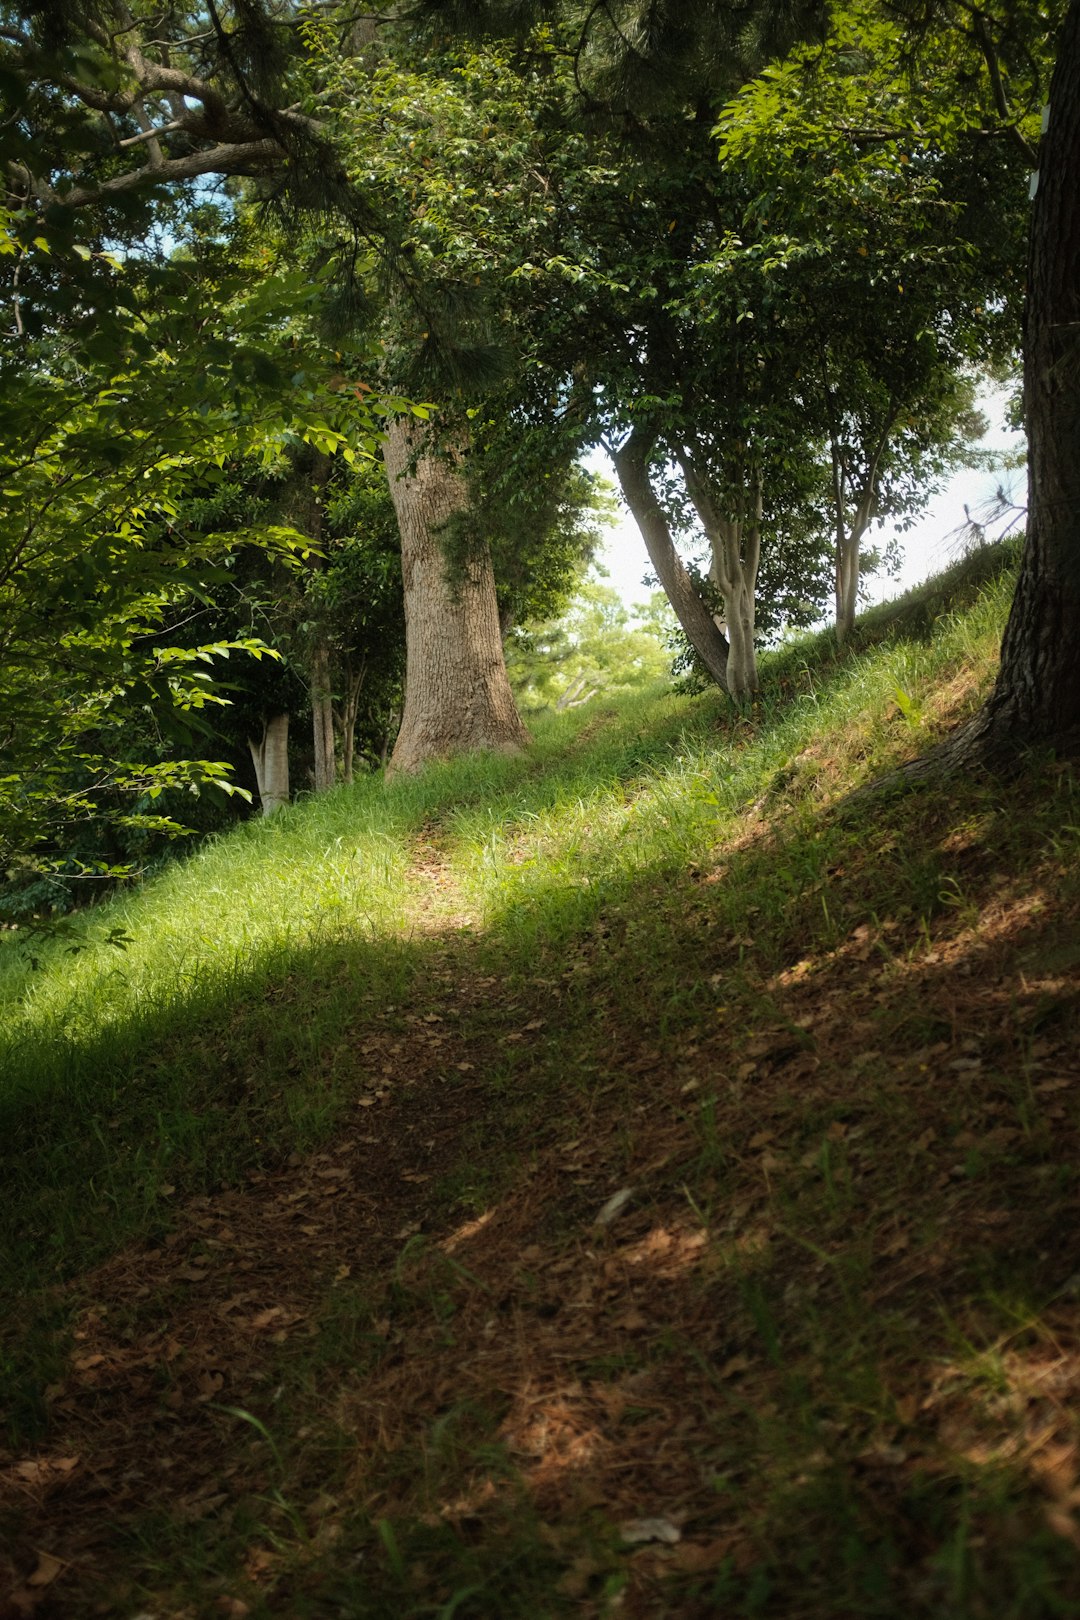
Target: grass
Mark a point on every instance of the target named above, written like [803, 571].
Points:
[311, 1283]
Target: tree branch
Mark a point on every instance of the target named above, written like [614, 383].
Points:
[249, 157]
[997, 89]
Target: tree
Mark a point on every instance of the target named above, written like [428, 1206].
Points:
[113, 102]
[120, 408]
[453, 148]
[592, 648]
[1036, 699]
[867, 200]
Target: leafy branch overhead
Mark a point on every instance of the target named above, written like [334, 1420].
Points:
[147, 100]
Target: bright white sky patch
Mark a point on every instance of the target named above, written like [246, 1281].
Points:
[935, 541]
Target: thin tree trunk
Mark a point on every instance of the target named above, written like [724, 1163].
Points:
[354, 681]
[322, 720]
[849, 540]
[270, 756]
[632, 467]
[457, 695]
[848, 560]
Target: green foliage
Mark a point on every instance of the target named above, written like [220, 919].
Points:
[131, 401]
[595, 648]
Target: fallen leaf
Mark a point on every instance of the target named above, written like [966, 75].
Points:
[264, 1318]
[694, 1559]
[614, 1206]
[632, 1321]
[637, 1531]
[47, 1570]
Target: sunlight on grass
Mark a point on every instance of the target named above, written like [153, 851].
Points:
[341, 1130]
[318, 908]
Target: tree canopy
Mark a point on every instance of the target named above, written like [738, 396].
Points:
[762, 254]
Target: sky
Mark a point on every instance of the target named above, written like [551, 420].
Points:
[935, 542]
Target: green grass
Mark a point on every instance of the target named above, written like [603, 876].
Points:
[660, 950]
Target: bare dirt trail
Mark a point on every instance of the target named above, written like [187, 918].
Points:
[170, 1332]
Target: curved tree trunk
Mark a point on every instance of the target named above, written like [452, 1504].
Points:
[735, 543]
[457, 695]
[1037, 696]
[270, 756]
[632, 467]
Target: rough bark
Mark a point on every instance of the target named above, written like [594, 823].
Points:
[1036, 700]
[322, 721]
[457, 695]
[270, 756]
[632, 467]
[1037, 697]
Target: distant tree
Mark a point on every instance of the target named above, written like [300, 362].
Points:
[593, 648]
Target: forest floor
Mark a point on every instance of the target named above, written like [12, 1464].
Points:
[706, 1246]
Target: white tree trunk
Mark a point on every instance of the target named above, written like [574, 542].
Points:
[735, 543]
[457, 695]
[849, 538]
[847, 582]
[270, 756]
[849, 556]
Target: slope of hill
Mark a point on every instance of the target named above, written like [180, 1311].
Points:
[636, 1178]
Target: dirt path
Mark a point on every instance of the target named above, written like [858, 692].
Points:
[637, 1369]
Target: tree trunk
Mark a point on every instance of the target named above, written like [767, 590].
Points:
[1037, 696]
[270, 756]
[848, 559]
[632, 467]
[735, 543]
[322, 720]
[849, 538]
[1036, 699]
[457, 695]
[350, 707]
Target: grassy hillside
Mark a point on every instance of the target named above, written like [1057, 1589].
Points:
[634, 1178]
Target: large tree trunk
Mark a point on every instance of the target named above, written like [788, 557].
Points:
[632, 467]
[1037, 696]
[457, 695]
[1036, 699]
[270, 756]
